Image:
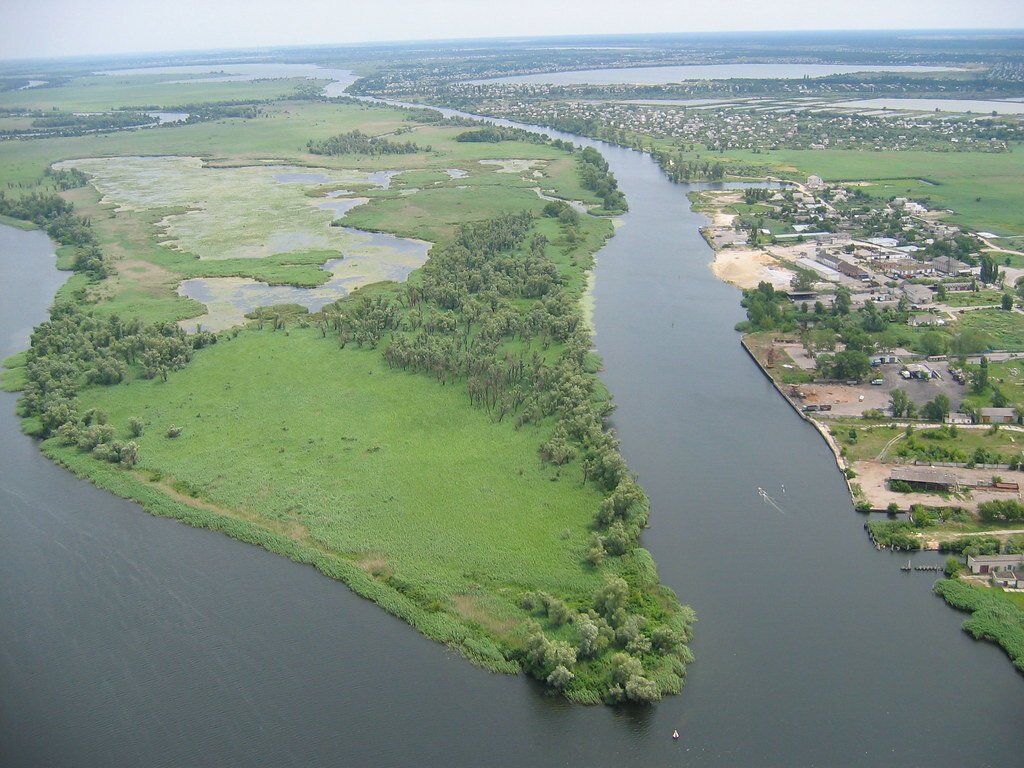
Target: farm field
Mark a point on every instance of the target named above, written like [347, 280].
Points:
[1004, 330]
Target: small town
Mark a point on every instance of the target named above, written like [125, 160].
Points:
[901, 338]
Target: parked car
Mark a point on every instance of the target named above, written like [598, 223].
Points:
[878, 382]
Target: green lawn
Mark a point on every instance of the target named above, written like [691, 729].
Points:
[972, 298]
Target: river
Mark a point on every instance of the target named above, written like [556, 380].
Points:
[130, 640]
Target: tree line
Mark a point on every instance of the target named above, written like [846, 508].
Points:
[595, 176]
[358, 143]
[56, 215]
[496, 133]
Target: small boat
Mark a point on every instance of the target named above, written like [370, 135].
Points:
[675, 734]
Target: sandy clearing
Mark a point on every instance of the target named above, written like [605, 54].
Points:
[746, 267]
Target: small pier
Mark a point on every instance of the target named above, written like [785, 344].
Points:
[908, 567]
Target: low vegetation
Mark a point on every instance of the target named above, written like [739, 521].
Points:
[993, 617]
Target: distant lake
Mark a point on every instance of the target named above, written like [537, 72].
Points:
[942, 105]
[657, 75]
[227, 73]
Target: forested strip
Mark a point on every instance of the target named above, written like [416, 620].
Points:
[486, 314]
[496, 133]
[358, 143]
[596, 177]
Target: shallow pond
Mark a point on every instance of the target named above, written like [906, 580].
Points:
[273, 216]
[377, 257]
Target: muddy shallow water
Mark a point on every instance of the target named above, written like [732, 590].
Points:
[215, 221]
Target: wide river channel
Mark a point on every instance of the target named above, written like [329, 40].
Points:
[130, 640]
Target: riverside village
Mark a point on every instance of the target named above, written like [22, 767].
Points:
[900, 336]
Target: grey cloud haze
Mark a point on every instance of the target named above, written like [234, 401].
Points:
[72, 27]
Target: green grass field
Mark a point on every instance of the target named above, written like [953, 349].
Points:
[98, 93]
[973, 298]
[372, 464]
[872, 438]
[1005, 330]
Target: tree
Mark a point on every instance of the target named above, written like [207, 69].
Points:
[612, 596]
[849, 364]
[899, 402]
[1007, 302]
[858, 340]
[969, 342]
[843, 301]
[989, 269]
[802, 281]
[979, 378]
[933, 343]
[592, 641]
[937, 409]
[560, 677]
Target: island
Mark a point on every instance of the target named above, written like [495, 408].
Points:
[353, 334]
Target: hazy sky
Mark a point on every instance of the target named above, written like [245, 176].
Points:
[35, 28]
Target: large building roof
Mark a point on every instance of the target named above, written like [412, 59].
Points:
[929, 475]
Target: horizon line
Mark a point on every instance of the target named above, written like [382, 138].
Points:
[267, 49]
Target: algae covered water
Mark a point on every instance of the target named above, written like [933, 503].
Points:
[131, 640]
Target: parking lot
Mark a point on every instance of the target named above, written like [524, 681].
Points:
[853, 400]
[920, 391]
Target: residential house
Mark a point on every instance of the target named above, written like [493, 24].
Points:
[1010, 579]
